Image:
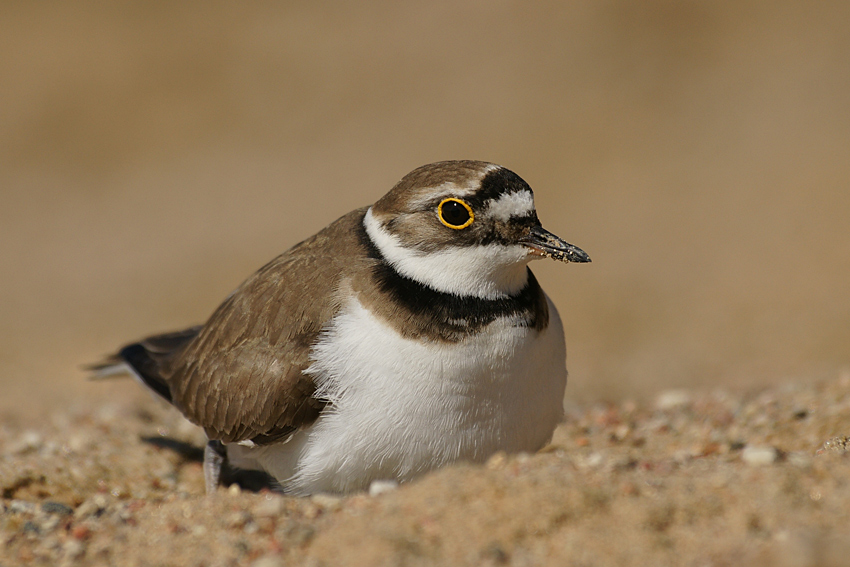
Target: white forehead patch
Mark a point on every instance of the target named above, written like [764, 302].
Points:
[518, 204]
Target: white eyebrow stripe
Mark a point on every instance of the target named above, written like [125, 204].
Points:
[518, 204]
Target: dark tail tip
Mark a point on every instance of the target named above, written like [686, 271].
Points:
[140, 359]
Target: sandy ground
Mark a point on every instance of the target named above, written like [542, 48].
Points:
[696, 479]
[154, 154]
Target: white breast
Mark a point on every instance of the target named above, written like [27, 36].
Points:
[400, 407]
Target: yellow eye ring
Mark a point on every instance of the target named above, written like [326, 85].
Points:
[462, 217]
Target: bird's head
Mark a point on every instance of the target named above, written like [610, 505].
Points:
[464, 227]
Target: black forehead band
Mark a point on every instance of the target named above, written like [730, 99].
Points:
[494, 185]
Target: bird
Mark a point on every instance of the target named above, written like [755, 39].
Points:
[403, 337]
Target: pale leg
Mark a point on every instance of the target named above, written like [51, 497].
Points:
[214, 455]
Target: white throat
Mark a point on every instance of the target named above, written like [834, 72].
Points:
[487, 271]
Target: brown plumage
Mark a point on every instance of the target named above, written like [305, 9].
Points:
[241, 376]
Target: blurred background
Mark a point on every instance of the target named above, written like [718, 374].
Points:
[154, 154]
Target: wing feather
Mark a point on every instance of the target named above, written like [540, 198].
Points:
[241, 375]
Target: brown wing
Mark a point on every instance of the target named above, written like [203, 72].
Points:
[242, 377]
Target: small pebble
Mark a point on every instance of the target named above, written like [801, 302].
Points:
[100, 501]
[79, 443]
[497, 461]
[269, 507]
[759, 456]
[672, 399]
[80, 532]
[268, 561]
[799, 459]
[73, 548]
[51, 507]
[31, 528]
[49, 523]
[622, 431]
[22, 507]
[27, 442]
[311, 511]
[593, 460]
[237, 519]
[328, 502]
[381, 486]
[251, 528]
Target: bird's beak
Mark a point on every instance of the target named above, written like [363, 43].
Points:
[544, 243]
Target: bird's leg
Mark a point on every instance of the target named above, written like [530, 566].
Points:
[214, 456]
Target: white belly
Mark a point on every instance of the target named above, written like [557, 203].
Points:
[401, 407]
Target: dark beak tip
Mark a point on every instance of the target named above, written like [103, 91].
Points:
[577, 256]
[554, 247]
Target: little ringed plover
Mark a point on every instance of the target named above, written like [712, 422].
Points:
[402, 337]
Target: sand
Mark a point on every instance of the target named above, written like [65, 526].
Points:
[694, 478]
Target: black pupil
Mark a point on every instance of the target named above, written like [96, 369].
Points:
[454, 213]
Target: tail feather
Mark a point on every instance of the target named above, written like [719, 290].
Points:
[147, 360]
[146, 367]
[109, 367]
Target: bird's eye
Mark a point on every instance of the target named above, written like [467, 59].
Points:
[455, 213]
